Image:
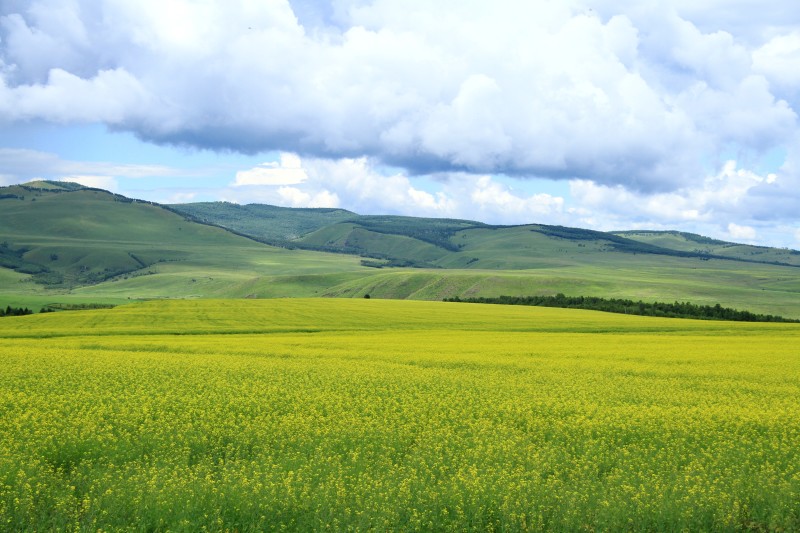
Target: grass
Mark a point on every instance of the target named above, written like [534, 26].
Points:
[102, 248]
[689, 242]
[111, 251]
[764, 289]
[265, 222]
[370, 414]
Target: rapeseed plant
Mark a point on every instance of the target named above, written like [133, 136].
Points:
[517, 419]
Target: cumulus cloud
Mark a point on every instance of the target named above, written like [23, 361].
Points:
[741, 233]
[351, 183]
[636, 104]
[724, 193]
[363, 186]
[728, 205]
[497, 203]
[294, 197]
[288, 171]
[617, 93]
[108, 97]
[778, 60]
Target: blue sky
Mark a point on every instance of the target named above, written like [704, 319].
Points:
[607, 114]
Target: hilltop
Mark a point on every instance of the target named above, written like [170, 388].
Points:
[447, 243]
[62, 242]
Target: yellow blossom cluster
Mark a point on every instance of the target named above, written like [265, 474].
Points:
[377, 415]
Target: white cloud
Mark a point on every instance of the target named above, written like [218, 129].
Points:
[730, 204]
[294, 197]
[779, 60]
[349, 183]
[361, 186]
[727, 193]
[497, 203]
[288, 171]
[738, 232]
[747, 114]
[619, 93]
[111, 96]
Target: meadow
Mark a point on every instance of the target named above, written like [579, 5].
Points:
[248, 415]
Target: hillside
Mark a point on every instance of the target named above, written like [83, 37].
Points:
[267, 223]
[66, 243]
[689, 242]
[69, 239]
[450, 243]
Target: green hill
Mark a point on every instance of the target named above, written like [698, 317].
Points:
[267, 223]
[689, 242]
[64, 243]
[75, 240]
[450, 243]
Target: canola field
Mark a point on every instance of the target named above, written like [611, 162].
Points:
[254, 415]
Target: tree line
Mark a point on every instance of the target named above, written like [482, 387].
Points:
[630, 307]
[15, 311]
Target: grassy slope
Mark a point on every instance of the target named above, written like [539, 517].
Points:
[466, 244]
[674, 240]
[90, 229]
[764, 289]
[353, 414]
[280, 224]
[142, 250]
[520, 260]
[265, 222]
[356, 239]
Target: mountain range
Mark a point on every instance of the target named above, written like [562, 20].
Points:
[61, 242]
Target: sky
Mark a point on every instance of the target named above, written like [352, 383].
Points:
[602, 114]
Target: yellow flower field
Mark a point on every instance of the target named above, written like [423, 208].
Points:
[393, 415]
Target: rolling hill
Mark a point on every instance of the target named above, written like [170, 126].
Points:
[61, 242]
[452, 243]
[75, 243]
[690, 242]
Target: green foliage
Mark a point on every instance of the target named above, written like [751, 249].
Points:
[77, 306]
[689, 242]
[618, 243]
[15, 311]
[265, 223]
[436, 231]
[47, 277]
[285, 226]
[15, 260]
[629, 307]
